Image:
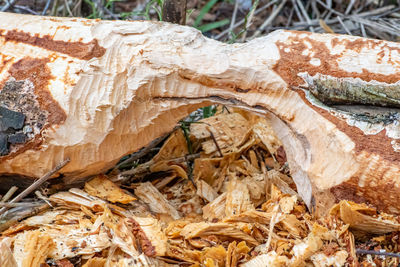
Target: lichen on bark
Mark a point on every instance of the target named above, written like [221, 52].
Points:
[332, 90]
[21, 118]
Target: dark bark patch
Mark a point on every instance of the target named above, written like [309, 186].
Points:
[26, 92]
[21, 117]
[36, 71]
[10, 119]
[378, 144]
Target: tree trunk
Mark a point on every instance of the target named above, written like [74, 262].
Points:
[94, 91]
[174, 11]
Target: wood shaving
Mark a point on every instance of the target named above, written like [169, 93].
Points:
[241, 209]
[102, 187]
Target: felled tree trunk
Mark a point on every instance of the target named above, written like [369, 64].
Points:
[94, 91]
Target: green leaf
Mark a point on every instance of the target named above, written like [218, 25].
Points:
[204, 11]
[213, 25]
[110, 2]
[94, 14]
[209, 111]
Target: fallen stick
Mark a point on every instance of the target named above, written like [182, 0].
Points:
[95, 91]
[34, 186]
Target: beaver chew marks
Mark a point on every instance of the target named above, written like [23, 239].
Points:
[20, 115]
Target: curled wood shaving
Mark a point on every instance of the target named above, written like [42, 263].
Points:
[364, 218]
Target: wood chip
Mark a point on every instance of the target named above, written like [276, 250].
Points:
[352, 214]
[205, 191]
[229, 131]
[222, 229]
[6, 254]
[102, 187]
[32, 248]
[156, 201]
[237, 198]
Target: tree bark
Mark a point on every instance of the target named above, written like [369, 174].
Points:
[174, 11]
[94, 91]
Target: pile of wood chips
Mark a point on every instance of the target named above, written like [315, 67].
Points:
[235, 206]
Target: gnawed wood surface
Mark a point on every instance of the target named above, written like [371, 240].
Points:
[107, 88]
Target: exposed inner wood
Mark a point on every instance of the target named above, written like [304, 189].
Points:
[136, 80]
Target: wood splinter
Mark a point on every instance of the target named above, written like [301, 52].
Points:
[99, 90]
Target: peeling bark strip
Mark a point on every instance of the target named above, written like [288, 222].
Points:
[350, 91]
[79, 50]
[301, 53]
[145, 244]
[332, 100]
